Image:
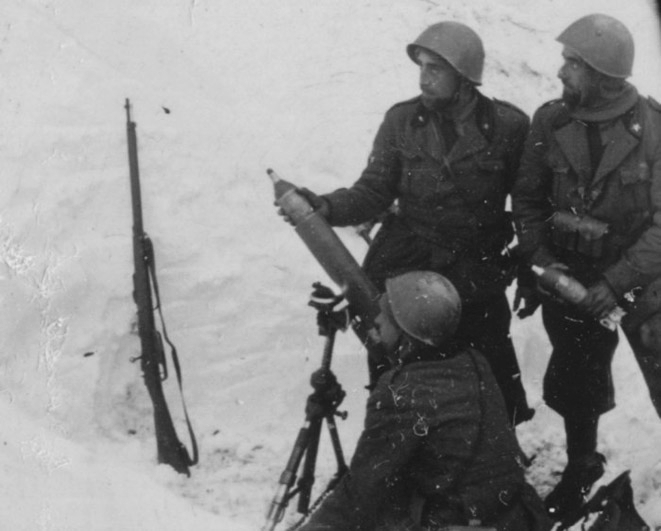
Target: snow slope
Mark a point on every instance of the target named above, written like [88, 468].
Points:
[220, 91]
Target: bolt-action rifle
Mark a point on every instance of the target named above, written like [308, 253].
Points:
[152, 359]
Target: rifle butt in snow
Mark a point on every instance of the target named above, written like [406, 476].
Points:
[170, 449]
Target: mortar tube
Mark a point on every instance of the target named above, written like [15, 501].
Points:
[334, 258]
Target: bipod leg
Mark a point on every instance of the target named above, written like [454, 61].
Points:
[330, 415]
[342, 467]
[316, 410]
[307, 476]
[321, 404]
[287, 479]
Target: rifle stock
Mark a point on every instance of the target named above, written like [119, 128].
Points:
[170, 450]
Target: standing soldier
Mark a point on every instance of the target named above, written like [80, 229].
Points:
[588, 201]
[448, 158]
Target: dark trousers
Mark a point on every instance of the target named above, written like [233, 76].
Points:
[578, 383]
[642, 326]
[487, 327]
[647, 351]
[579, 378]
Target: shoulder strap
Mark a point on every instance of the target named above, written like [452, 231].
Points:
[192, 460]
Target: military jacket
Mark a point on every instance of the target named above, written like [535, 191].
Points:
[453, 196]
[438, 429]
[621, 197]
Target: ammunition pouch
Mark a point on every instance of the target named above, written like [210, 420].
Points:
[582, 234]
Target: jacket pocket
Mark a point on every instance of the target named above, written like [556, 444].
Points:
[423, 178]
[634, 174]
[561, 185]
[583, 234]
[634, 184]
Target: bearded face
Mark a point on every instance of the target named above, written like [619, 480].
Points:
[439, 81]
[580, 82]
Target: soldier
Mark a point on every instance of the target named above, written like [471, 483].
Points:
[588, 201]
[437, 449]
[448, 158]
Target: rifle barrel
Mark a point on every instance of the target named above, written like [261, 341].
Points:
[170, 450]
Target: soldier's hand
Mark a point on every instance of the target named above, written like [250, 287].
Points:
[283, 214]
[531, 301]
[332, 310]
[526, 291]
[600, 300]
[318, 204]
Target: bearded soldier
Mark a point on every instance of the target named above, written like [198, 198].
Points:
[447, 159]
[588, 201]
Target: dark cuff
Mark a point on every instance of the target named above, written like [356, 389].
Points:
[329, 208]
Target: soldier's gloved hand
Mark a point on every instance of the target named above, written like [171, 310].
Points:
[600, 300]
[526, 292]
[318, 204]
[531, 301]
[332, 310]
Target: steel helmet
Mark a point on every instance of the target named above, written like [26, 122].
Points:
[457, 44]
[425, 305]
[603, 42]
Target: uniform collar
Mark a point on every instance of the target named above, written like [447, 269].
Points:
[611, 106]
[475, 128]
[620, 135]
[458, 112]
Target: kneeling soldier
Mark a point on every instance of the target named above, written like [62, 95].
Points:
[437, 448]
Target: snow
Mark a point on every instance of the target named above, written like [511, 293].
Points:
[220, 91]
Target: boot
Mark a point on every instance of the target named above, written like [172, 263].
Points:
[577, 480]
